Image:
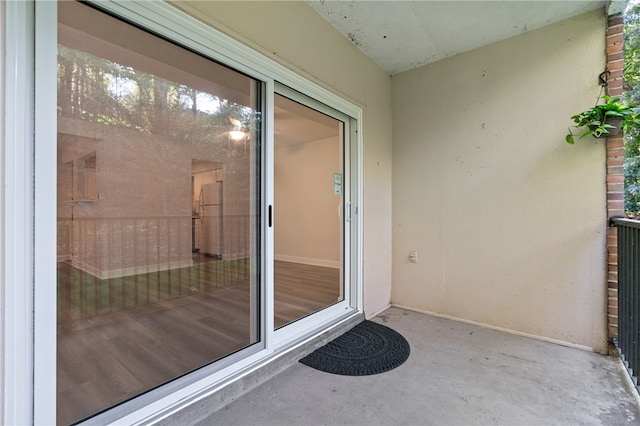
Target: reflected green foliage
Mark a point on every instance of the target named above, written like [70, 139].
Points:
[632, 96]
[98, 90]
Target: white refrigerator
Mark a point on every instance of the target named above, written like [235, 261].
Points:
[211, 219]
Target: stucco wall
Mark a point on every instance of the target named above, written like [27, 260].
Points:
[293, 34]
[508, 220]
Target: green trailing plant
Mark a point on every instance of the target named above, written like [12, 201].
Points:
[600, 120]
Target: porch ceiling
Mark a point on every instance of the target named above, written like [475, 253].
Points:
[402, 35]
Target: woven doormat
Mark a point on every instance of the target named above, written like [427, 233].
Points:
[368, 348]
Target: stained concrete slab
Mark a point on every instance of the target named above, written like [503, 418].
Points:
[457, 374]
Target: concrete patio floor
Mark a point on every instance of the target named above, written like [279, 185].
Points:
[457, 374]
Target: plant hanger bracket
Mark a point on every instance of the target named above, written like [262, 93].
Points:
[603, 82]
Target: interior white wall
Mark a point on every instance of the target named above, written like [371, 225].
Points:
[307, 216]
[508, 220]
[293, 34]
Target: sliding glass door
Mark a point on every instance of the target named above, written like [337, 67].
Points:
[203, 211]
[309, 196]
[158, 224]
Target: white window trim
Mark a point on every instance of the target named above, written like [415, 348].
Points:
[17, 251]
[45, 282]
[29, 364]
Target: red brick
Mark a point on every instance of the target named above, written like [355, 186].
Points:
[616, 170]
[615, 91]
[615, 38]
[615, 74]
[614, 65]
[616, 19]
[615, 187]
[615, 27]
[615, 161]
[613, 31]
[614, 48]
[613, 79]
[615, 142]
[615, 82]
[615, 151]
[615, 55]
[615, 85]
[611, 213]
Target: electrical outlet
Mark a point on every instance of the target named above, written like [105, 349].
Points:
[413, 256]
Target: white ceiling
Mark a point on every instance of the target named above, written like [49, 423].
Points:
[401, 35]
[297, 124]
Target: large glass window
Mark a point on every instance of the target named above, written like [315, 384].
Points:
[158, 211]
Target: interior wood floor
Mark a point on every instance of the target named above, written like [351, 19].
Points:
[115, 356]
[301, 290]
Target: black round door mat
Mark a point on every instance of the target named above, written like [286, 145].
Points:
[368, 348]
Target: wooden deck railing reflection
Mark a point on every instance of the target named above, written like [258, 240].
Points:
[111, 265]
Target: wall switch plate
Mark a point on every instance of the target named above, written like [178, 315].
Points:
[413, 256]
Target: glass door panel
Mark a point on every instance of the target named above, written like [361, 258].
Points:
[308, 211]
[158, 211]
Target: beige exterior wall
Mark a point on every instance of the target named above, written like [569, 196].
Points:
[508, 220]
[293, 34]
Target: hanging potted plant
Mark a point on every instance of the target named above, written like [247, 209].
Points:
[604, 119]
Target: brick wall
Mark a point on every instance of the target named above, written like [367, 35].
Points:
[615, 172]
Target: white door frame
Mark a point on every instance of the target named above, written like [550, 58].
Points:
[29, 227]
[300, 327]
